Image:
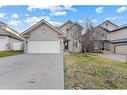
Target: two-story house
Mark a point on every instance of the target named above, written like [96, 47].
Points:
[100, 41]
[43, 37]
[118, 40]
[72, 40]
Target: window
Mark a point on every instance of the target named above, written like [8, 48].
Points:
[106, 24]
[102, 34]
[76, 44]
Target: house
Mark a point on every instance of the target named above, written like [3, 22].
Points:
[45, 38]
[110, 37]
[99, 35]
[118, 40]
[9, 38]
[72, 38]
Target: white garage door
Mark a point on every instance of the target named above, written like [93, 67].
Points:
[121, 49]
[44, 47]
[2, 44]
[16, 46]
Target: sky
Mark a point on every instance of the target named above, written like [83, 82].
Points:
[21, 17]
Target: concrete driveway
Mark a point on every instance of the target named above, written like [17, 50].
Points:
[32, 71]
[116, 57]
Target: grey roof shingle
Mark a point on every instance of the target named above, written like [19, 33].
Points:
[6, 33]
[119, 40]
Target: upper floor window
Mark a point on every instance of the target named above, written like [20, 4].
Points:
[67, 30]
[106, 24]
[102, 34]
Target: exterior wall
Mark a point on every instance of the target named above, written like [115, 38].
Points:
[100, 34]
[108, 26]
[43, 32]
[64, 28]
[70, 37]
[112, 46]
[10, 41]
[5, 37]
[74, 44]
[120, 34]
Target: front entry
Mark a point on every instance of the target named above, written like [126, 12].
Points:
[65, 45]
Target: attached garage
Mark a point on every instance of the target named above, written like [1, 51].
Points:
[43, 38]
[44, 47]
[121, 49]
[17, 46]
[2, 44]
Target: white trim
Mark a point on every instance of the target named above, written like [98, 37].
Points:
[40, 22]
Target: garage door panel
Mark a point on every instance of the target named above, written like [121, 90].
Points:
[43, 47]
[121, 49]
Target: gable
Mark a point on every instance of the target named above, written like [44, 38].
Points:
[35, 26]
[119, 34]
[64, 27]
[109, 26]
[43, 32]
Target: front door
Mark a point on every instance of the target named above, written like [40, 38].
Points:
[65, 45]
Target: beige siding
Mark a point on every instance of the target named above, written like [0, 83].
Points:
[112, 47]
[64, 28]
[10, 41]
[120, 34]
[121, 49]
[44, 32]
[5, 37]
[109, 26]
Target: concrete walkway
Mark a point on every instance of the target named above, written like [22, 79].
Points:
[116, 57]
[33, 71]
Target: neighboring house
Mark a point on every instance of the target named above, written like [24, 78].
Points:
[9, 38]
[109, 37]
[118, 40]
[100, 41]
[72, 40]
[43, 38]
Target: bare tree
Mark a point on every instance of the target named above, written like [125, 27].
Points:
[88, 36]
[76, 34]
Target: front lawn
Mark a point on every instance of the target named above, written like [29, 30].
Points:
[88, 71]
[10, 53]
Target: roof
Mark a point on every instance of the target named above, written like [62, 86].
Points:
[119, 28]
[40, 22]
[4, 32]
[5, 25]
[105, 22]
[119, 40]
[1, 23]
[78, 25]
[69, 21]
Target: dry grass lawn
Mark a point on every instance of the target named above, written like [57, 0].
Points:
[10, 53]
[88, 71]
